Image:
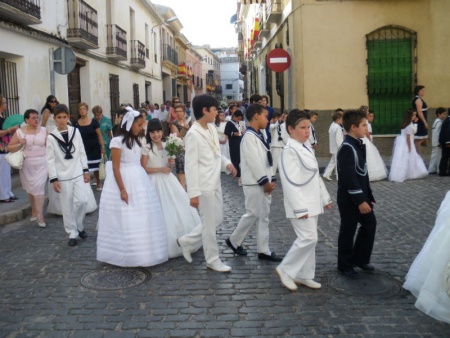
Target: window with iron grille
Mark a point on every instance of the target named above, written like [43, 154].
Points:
[391, 75]
[136, 95]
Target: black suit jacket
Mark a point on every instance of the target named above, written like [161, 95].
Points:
[353, 183]
[444, 135]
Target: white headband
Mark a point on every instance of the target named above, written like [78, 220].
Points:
[129, 117]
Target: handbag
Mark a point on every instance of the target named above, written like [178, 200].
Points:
[15, 160]
[102, 168]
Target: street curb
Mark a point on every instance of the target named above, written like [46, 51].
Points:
[19, 214]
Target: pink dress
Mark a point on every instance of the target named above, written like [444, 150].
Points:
[33, 174]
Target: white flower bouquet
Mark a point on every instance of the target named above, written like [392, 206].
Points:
[174, 145]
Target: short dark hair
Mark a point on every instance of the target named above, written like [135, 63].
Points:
[28, 112]
[255, 98]
[336, 115]
[238, 113]
[203, 101]
[61, 109]
[417, 89]
[352, 117]
[294, 117]
[276, 114]
[252, 110]
[440, 110]
[312, 113]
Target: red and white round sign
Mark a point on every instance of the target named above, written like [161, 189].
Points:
[278, 60]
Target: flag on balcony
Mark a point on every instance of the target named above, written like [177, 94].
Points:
[257, 28]
[182, 70]
[252, 38]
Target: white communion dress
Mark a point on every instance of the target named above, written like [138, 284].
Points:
[375, 164]
[180, 218]
[428, 278]
[132, 234]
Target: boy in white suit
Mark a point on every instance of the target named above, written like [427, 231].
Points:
[203, 165]
[68, 171]
[258, 183]
[305, 196]
[279, 137]
[336, 135]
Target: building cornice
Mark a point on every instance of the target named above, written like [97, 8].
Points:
[33, 33]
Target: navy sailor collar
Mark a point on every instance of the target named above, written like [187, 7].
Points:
[259, 135]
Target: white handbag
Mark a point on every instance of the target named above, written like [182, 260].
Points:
[15, 160]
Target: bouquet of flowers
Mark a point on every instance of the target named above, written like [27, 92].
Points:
[174, 145]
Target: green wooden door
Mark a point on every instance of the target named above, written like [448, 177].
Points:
[390, 79]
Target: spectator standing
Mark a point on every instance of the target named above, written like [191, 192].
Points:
[421, 108]
[47, 120]
[436, 152]
[105, 128]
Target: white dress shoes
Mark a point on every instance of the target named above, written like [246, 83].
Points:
[308, 283]
[217, 265]
[33, 219]
[287, 281]
[186, 254]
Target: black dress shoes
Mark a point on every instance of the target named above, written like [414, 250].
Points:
[366, 267]
[272, 257]
[238, 251]
[72, 242]
[82, 234]
[350, 274]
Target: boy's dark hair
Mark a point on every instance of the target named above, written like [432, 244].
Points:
[60, 109]
[336, 115]
[252, 110]
[28, 112]
[153, 125]
[352, 117]
[255, 98]
[440, 110]
[203, 101]
[128, 137]
[238, 113]
[294, 117]
[406, 119]
[312, 113]
[417, 89]
[276, 114]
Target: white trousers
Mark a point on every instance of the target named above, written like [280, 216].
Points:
[210, 211]
[5, 178]
[257, 209]
[300, 260]
[332, 166]
[73, 201]
[276, 152]
[435, 159]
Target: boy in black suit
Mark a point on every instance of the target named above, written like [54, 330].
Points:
[354, 198]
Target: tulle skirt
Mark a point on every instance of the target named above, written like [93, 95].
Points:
[375, 164]
[425, 278]
[406, 165]
[132, 234]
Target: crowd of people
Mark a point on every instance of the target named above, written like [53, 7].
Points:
[148, 215]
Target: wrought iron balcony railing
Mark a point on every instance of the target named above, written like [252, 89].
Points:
[137, 59]
[83, 25]
[169, 54]
[26, 12]
[116, 43]
[273, 10]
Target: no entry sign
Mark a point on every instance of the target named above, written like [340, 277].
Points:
[278, 60]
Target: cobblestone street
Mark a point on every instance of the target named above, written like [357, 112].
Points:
[41, 293]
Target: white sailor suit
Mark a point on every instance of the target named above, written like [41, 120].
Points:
[336, 137]
[66, 163]
[304, 194]
[256, 171]
[312, 138]
[279, 139]
[203, 165]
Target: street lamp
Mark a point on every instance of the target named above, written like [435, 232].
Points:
[166, 22]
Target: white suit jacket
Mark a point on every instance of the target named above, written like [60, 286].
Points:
[303, 188]
[65, 169]
[203, 160]
[274, 133]
[336, 137]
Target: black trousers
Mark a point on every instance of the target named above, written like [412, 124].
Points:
[443, 165]
[355, 251]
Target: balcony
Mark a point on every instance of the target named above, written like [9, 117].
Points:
[83, 25]
[26, 12]
[265, 29]
[116, 43]
[137, 60]
[170, 56]
[273, 10]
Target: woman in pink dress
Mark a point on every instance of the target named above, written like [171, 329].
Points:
[33, 175]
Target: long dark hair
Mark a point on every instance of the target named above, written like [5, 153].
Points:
[47, 103]
[153, 125]
[406, 120]
[128, 137]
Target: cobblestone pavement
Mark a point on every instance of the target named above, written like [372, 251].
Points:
[41, 294]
